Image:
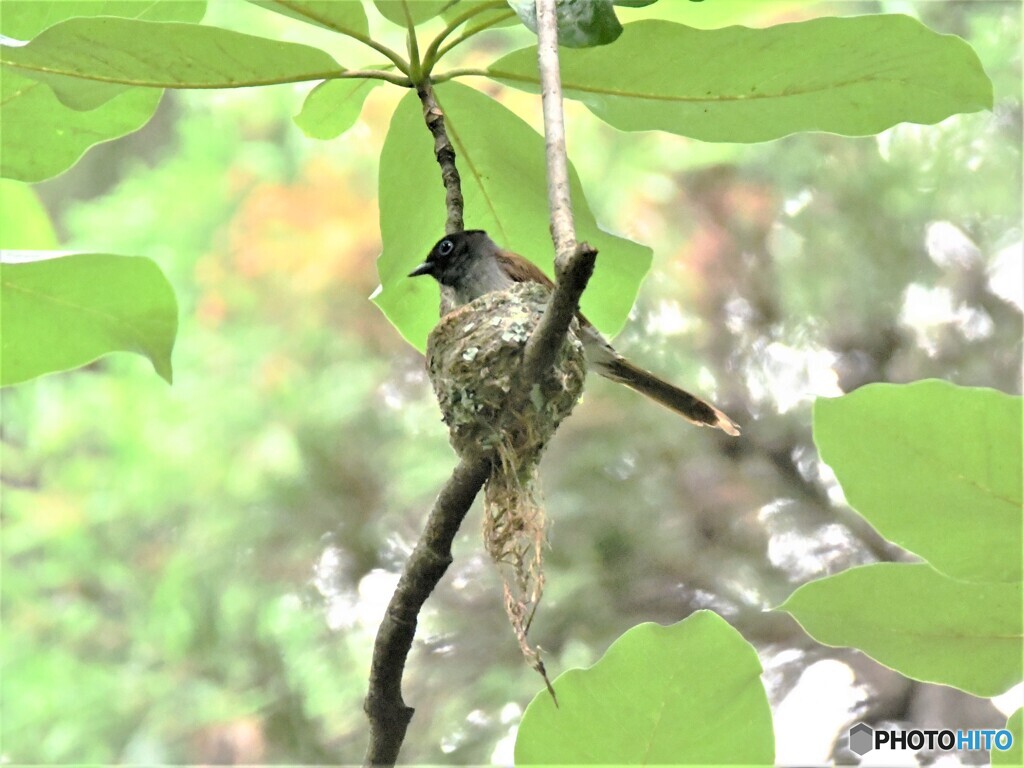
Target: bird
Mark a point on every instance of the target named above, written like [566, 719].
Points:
[469, 264]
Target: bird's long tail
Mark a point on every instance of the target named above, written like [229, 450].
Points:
[691, 408]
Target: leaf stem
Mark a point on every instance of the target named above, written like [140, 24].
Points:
[305, 10]
[415, 65]
[382, 49]
[431, 56]
[459, 72]
[374, 74]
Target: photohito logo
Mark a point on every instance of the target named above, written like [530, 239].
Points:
[864, 738]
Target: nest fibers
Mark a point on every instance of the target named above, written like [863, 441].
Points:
[475, 362]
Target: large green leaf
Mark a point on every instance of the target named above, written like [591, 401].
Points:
[344, 16]
[1015, 754]
[89, 61]
[61, 313]
[333, 107]
[853, 76]
[934, 467]
[24, 19]
[687, 694]
[921, 623]
[501, 160]
[41, 137]
[400, 11]
[24, 222]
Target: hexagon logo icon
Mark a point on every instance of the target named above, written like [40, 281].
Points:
[862, 738]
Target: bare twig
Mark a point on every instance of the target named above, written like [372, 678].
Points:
[563, 232]
[389, 715]
[445, 154]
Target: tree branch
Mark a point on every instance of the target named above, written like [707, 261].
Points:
[388, 713]
[574, 263]
[445, 154]
[563, 231]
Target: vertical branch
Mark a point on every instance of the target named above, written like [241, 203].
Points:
[563, 230]
[445, 154]
[574, 262]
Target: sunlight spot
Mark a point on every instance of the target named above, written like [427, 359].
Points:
[810, 719]
[788, 376]
[949, 247]
[1006, 274]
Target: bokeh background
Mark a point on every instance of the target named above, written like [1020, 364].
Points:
[195, 573]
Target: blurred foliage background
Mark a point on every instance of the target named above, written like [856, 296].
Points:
[195, 573]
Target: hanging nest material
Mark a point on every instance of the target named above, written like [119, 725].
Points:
[474, 359]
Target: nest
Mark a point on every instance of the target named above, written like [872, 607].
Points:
[474, 359]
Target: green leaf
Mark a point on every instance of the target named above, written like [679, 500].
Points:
[398, 11]
[333, 107]
[41, 137]
[854, 76]
[24, 222]
[61, 313]
[1015, 754]
[25, 20]
[690, 693]
[501, 161]
[935, 468]
[343, 16]
[581, 23]
[921, 623]
[89, 61]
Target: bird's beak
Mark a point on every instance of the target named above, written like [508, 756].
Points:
[426, 268]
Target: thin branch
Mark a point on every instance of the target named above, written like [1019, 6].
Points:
[388, 713]
[563, 231]
[430, 57]
[574, 263]
[573, 275]
[445, 154]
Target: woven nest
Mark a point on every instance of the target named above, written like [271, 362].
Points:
[475, 362]
[474, 359]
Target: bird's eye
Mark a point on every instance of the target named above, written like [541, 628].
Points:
[445, 247]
